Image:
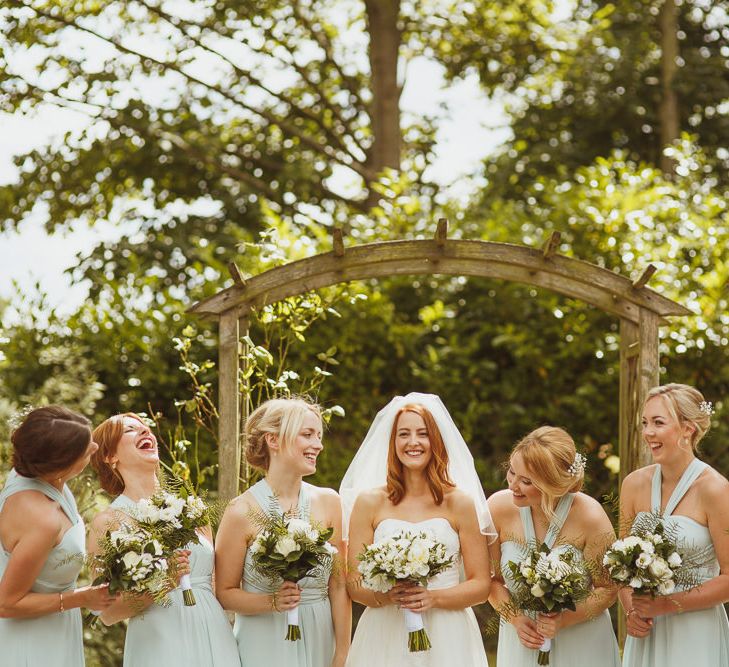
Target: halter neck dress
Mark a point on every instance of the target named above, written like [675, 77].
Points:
[697, 638]
[52, 640]
[262, 637]
[591, 642]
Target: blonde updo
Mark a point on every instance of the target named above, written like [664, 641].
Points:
[684, 405]
[549, 455]
[281, 417]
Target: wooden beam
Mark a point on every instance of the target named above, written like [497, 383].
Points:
[593, 284]
[644, 277]
[338, 242]
[244, 471]
[236, 275]
[550, 247]
[228, 407]
[441, 233]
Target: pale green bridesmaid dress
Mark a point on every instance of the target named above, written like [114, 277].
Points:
[180, 636]
[262, 637]
[590, 643]
[53, 640]
[692, 638]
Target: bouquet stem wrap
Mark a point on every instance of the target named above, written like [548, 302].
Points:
[294, 632]
[543, 655]
[418, 639]
[187, 595]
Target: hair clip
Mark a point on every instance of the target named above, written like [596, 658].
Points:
[578, 465]
[707, 407]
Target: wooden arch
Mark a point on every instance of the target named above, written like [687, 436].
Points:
[641, 312]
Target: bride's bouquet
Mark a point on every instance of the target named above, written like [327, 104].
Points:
[175, 518]
[549, 581]
[132, 561]
[290, 549]
[649, 561]
[404, 556]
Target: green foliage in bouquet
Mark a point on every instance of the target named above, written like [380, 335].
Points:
[288, 548]
[132, 561]
[653, 560]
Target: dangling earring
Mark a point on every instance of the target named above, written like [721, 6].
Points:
[113, 466]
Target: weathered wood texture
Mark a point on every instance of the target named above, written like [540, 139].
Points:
[599, 287]
[228, 406]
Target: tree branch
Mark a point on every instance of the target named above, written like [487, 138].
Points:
[266, 115]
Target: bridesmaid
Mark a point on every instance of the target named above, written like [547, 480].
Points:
[685, 627]
[127, 463]
[284, 440]
[544, 504]
[41, 531]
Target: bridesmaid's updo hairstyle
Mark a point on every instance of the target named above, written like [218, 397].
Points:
[687, 406]
[278, 417]
[49, 440]
[550, 456]
[107, 435]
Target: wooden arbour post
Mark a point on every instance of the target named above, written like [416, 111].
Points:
[641, 312]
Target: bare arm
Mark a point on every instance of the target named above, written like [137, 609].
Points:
[339, 600]
[361, 534]
[715, 591]
[234, 535]
[499, 596]
[37, 532]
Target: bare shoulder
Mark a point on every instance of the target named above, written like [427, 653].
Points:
[713, 487]
[31, 507]
[638, 479]
[371, 498]
[241, 506]
[324, 493]
[590, 509]
[501, 505]
[459, 501]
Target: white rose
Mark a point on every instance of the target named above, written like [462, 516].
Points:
[666, 587]
[330, 548]
[285, 545]
[537, 591]
[131, 559]
[674, 560]
[631, 541]
[644, 560]
[146, 511]
[298, 526]
[636, 582]
[659, 568]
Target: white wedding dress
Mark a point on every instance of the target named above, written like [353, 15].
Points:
[381, 637]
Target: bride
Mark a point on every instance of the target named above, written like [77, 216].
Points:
[414, 470]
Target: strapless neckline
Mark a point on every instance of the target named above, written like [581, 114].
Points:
[419, 523]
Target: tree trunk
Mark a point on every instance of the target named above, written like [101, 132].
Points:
[382, 18]
[668, 113]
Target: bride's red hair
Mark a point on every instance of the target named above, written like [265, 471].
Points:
[436, 472]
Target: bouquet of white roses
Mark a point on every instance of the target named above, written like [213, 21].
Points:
[175, 518]
[290, 549]
[549, 581]
[404, 556]
[131, 560]
[648, 560]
